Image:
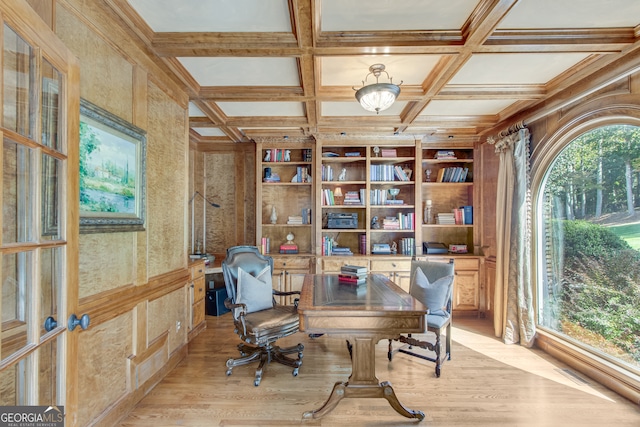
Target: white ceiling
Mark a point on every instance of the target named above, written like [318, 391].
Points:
[269, 68]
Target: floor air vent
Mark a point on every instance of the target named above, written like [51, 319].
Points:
[573, 376]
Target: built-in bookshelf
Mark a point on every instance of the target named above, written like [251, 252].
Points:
[285, 197]
[447, 195]
[368, 198]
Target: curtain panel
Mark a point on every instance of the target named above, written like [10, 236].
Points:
[514, 318]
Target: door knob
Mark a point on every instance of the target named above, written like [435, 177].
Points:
[83, 322]
[50, 324]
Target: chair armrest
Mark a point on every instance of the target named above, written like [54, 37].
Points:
[280, 293]
[231, 306]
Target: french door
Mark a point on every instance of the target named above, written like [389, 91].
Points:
[39, 240]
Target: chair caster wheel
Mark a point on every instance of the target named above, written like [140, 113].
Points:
[256, 382]
[228, 372]
[295, 372]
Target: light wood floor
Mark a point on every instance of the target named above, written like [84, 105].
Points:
[486, 383]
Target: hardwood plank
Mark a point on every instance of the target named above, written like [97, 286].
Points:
[487, 383]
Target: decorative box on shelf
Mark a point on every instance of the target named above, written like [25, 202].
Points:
[458, 249]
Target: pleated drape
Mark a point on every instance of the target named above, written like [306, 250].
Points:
[514, 317]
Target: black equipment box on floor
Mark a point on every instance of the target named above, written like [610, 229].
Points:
[215, 302]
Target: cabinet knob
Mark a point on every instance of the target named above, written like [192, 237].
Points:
[393, 264]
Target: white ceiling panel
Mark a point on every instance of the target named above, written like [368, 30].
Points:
[381, 15]
[467, 107]
[265, 109]
[351, 71]
[214, 15]
[516, 68]
[225, 71]
[210, 131]
[194, 111]
[532, 14]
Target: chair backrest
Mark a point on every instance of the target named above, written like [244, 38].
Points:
[249, 259]
[434, 270]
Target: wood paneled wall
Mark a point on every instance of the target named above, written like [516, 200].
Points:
[133, 285]
[225, 173]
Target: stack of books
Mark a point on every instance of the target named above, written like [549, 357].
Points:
[381, 249]
[288, 248]
[390, 223]
[445, 155]
[352, 198]
[341, 251]
[352, 274]
[446, 218]
[294, 220]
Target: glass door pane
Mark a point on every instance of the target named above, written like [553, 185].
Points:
[50, 105]
[17, 196]
[16, 293]
[17, 77]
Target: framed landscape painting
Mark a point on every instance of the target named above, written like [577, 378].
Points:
[112, 172]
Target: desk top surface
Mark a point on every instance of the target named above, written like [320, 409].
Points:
[326, 293]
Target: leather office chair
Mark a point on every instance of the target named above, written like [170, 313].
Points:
[432, 285]
[258, 319]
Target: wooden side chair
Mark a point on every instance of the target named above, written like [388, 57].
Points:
[259, 321]
[431, 284]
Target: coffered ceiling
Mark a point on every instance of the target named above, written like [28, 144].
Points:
[275, 68]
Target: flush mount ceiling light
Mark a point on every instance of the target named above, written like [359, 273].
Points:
[377, 96]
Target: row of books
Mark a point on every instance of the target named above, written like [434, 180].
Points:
[458, 216]
[388, 173]
[353, 198]
[381, 197]
[330, 247]
[402, 221]
[407, 246]
[453, 174]
[284, 155]
[265, 244]
[302, 175]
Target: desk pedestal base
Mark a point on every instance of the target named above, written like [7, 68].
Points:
[342, 390]
[363, 381]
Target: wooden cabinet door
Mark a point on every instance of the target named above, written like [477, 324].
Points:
[465, 291]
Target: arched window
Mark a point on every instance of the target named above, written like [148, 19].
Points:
[588, 245]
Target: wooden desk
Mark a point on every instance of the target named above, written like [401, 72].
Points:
[377, 310]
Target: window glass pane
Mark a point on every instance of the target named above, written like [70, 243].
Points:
[589, 246]
[50, 198]
[50, 281]
[17, 191]
[16, 288]
[17, 82]
[51, 81]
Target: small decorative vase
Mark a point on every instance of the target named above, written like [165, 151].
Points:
[274, 215]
